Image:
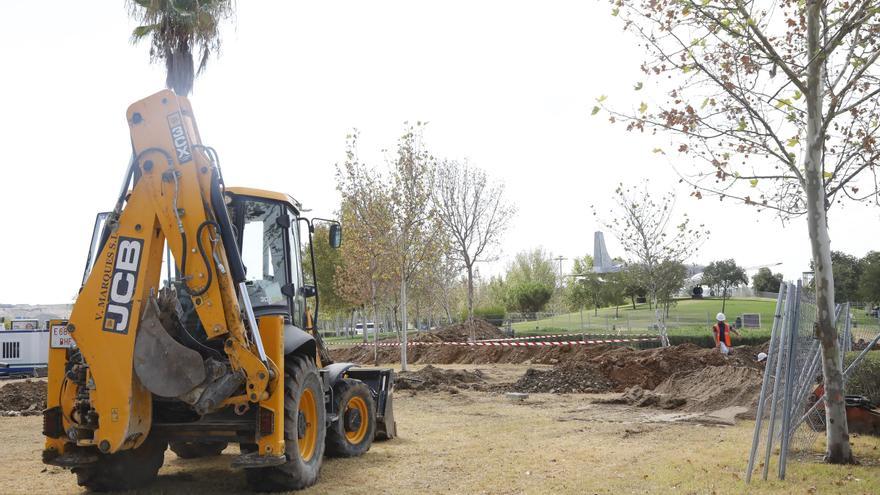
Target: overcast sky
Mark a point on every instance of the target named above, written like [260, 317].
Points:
[508, 85]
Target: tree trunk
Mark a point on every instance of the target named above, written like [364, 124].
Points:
[838, 449]
[364, 324]
[470, 291]
[375, 336]
[633, 298]
[403, 323]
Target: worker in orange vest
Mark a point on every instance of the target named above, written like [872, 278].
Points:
[722, 333]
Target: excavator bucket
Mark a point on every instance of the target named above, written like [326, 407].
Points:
[165, 367]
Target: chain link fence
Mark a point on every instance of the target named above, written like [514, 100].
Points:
[790, 412]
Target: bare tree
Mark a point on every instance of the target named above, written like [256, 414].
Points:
[415, 228]
[474, 215]
[364, 275]
[650, 233]
[777, 103]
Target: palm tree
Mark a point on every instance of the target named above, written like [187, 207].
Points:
[176, 29]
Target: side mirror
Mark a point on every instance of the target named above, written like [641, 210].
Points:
[309, 291]
[335, 235]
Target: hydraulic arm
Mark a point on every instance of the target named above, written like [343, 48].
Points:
[172, 192]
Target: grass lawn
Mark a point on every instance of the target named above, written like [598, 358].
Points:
[687, 317]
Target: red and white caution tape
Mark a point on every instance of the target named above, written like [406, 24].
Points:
[514, 344]
[569, 335]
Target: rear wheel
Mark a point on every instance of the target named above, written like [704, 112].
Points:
[304, 431]
[124, 470]
[194, 450]
[352, 434]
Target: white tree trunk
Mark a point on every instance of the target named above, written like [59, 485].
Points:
[364, 324]
[838, 448]
[403, 366]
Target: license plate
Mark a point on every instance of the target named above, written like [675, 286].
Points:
[60, 338]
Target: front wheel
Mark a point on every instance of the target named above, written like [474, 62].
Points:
[304, 431]
[352, 434]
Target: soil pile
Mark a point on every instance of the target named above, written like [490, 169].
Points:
[27, 398]
[461, 332]
[564, 379]
[704, 390]
[430, 378]
[715, 387]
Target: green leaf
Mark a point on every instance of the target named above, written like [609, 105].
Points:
[601, 98]
[793, 142]
[827, 175]
[704, 2]
[638, 86]
[705, 102]
[783, 103]
[754, 182]
[742, 125]
[143, 31]
[615, 11]
[797, 95]
[643, 107]
[658, 150]
[595, 110]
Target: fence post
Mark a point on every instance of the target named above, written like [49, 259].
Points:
[759, 416]
[780, 354]
[786, 411]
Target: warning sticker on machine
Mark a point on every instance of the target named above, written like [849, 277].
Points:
[60, 338]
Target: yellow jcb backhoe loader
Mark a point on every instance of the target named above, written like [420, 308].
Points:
[226, 351]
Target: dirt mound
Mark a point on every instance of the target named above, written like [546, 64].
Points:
[461, 332]
[25, 398]
[715, 387]
[704, 390]
[650, 367]
[564, 379]
[430, 378]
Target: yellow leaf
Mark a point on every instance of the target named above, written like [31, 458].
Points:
[827, 175]
[793, 142]
[754, 182]
[643, 107]
[602, 98]
[659, 150]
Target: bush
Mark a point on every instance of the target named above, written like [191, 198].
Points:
[493, 314]
[865, 378]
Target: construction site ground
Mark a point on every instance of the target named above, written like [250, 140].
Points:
[457, 439]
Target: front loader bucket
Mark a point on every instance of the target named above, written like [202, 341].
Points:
[381, 383]
[165, 367]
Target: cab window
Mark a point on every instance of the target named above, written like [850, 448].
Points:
[262, 252]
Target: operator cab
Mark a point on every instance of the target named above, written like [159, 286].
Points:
[267, 229]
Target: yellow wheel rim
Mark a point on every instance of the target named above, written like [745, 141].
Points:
[357, 404]
[308, 412]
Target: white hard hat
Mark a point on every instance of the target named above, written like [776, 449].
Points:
[762, 356]
[720, 317]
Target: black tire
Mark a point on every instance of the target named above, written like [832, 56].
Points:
[300, 379]
[125, 470]
[194, 450]
[352, 434]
